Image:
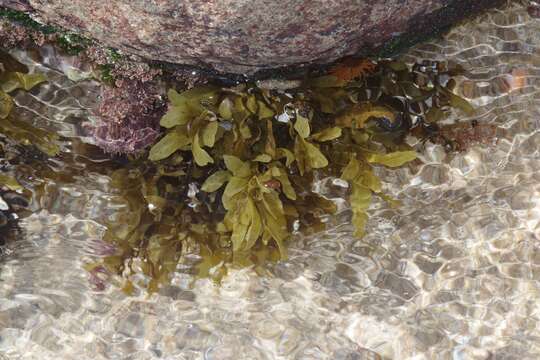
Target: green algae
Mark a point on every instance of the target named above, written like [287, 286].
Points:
[72, 44]
[25, 20]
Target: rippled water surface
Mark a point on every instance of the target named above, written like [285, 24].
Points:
[452, 274]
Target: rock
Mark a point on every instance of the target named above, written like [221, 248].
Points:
[241, 36]
[20, 5]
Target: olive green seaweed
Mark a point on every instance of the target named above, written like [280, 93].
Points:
[257, 152]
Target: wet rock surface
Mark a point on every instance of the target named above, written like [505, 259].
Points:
[240, 36]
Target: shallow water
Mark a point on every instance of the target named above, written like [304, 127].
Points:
[451, 274]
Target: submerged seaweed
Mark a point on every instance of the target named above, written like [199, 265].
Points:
[14, 134]
[235, 170]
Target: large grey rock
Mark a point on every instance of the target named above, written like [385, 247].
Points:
[244, 36]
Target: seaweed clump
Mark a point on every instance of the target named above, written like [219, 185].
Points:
[14, 135]
[235, 170]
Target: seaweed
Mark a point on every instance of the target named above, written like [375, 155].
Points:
[14, 198]
[233, 173]
[12, 80]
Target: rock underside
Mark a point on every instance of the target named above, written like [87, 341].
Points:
[246, 36]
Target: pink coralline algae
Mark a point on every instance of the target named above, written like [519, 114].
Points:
[16, 35]
[129, 117]
[130, 67]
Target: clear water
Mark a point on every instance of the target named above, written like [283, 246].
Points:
[452, 274]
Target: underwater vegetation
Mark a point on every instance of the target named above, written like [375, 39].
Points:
[15, 134]
[234, 172]
[258, 147]
[231, 172]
